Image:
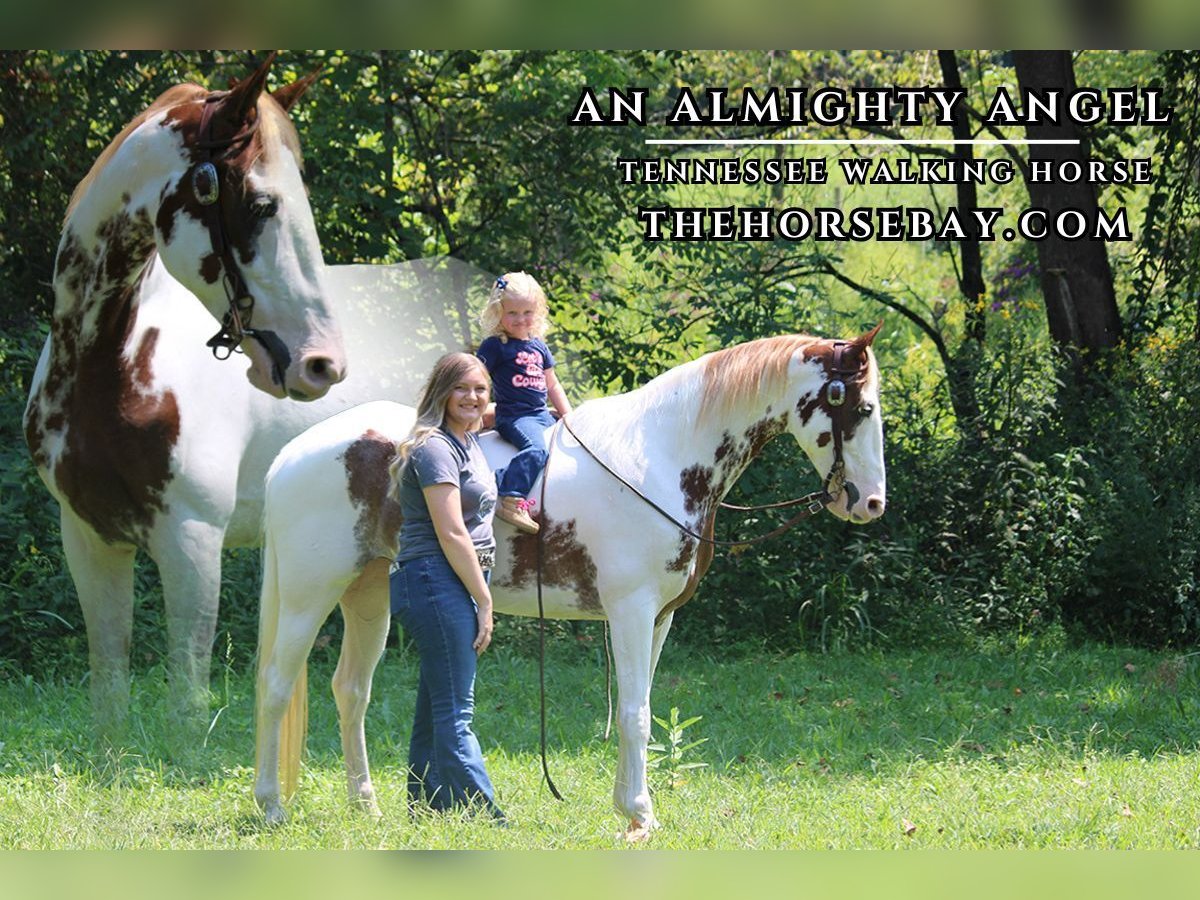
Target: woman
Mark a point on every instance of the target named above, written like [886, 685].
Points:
[439, 581]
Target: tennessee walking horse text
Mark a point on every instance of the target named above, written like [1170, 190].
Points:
[679, 443]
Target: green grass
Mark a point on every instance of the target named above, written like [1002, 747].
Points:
[1016, 746]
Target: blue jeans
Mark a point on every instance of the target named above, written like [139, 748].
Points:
[527, 435]
[445, 765]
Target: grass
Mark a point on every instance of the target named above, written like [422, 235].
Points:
[1016, 746]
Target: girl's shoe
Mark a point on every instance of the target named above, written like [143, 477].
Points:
[515, 511]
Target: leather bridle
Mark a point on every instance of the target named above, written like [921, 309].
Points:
[206, 185]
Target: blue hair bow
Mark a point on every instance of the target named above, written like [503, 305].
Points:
[501, 283]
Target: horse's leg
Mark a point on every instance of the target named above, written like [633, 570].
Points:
[188, 553]
[103, 575]
[660, 637]
[365, 613]
[632, 625]
[296, 599]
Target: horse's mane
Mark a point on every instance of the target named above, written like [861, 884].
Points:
[734, 375]
[274, 125]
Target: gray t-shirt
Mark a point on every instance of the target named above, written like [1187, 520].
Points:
[443, 460]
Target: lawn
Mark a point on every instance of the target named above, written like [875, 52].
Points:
[1021, 745]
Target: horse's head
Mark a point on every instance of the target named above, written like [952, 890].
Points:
[235, 227]
[838, 423]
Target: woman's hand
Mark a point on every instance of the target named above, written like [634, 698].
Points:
[484, 637]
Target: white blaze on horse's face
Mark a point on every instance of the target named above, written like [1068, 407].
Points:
[287, 279]
[861, 495]
[267, 225]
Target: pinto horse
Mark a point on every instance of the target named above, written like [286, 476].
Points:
[681, 442]
[195, 212]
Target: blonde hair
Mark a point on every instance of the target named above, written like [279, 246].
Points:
[431, 409]
[515, 286]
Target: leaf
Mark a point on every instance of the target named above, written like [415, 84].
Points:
[910, 828]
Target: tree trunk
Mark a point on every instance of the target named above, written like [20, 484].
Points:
[1077, 283]
[964, 363]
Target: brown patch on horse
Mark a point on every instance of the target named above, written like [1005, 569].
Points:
[240, 225]
[857, 357]
[704, 558]
[35, 434]
[115, 461]
[367, 461]
[683, 559]
[566, 563]
[734, 454]
[210, 268]
[762, 431]
[696, 482]
[724, 448]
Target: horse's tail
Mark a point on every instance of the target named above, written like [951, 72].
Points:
[293, 732]
[294, 726]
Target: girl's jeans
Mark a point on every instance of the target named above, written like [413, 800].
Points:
[445, 765]
[527, 434]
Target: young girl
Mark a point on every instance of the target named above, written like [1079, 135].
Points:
[522, 370]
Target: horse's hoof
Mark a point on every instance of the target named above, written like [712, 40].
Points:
[369, 808]
[639, 831]
[275, 814]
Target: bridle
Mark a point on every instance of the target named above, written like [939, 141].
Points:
[206, 185]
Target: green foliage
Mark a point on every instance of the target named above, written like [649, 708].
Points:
[667, 756]
[1143, 500]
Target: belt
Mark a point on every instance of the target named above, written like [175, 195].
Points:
[487, 561]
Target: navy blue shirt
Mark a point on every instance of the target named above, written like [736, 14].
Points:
[518, 370]
[443, 460]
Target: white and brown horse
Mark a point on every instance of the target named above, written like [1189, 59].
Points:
[680, 441]
[196, 212]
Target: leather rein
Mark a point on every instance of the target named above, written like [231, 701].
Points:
[206, 185]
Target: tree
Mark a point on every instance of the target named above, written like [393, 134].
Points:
[1077, 282]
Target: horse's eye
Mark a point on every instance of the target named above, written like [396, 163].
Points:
[864, 410]
[263, 207]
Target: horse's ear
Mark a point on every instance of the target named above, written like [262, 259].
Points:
[867, 339]
[235, 107]
[287, 95]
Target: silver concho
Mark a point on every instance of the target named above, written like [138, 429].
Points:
[206, 184]
[836, 392]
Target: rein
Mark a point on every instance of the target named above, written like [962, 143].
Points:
[206, 185]
[541, 552]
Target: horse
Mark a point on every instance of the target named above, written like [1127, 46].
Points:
[195, 212]
[680, 443]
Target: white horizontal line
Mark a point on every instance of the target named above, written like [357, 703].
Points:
[883, 141]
